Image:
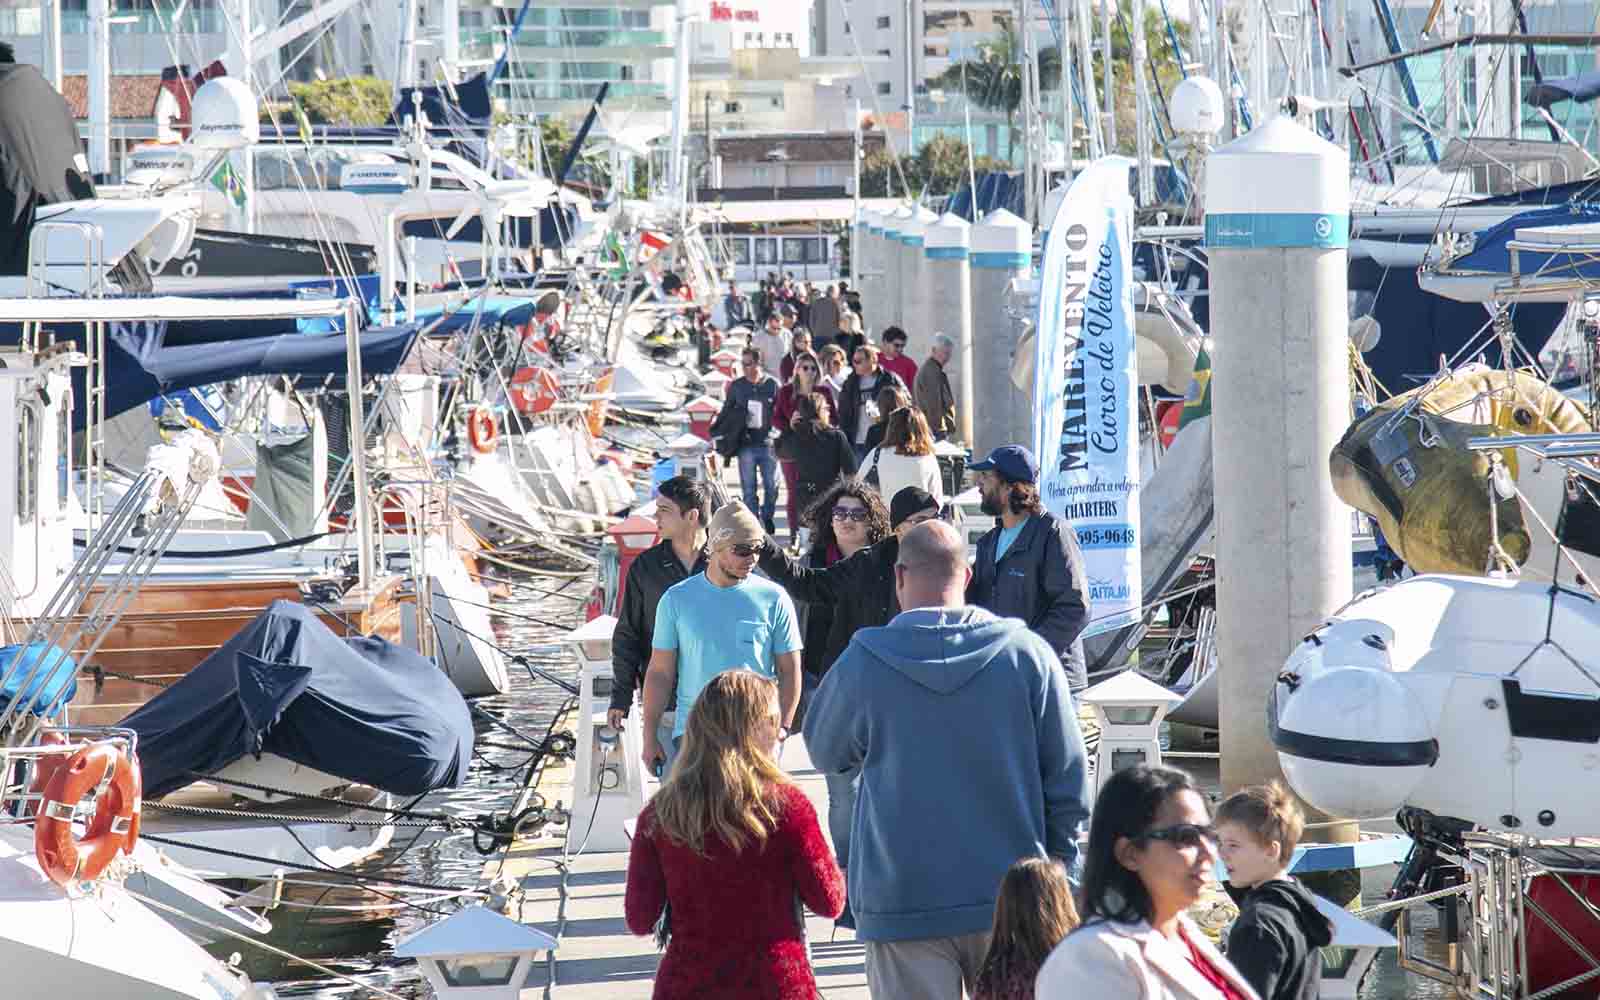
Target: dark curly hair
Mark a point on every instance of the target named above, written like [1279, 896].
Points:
[820, 514]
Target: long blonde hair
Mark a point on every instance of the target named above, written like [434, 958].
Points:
[723, 785]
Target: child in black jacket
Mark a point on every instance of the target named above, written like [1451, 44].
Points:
[1275, 940]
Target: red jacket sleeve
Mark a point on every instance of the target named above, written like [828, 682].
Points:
[646, 894]
[816, 875]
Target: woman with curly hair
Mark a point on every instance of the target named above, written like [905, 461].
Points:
[733, 847]
[843, 520]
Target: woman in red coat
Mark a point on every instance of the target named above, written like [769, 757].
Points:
[807, 378]
[730, 848]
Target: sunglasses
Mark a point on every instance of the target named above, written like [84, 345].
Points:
[746, 551]
[858, 514]
[1183, 835]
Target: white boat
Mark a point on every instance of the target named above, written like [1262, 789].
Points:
[1473, 699]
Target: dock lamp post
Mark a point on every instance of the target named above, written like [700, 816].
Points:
[476, 954]
[688, 453]
[1129, 709]
[608, 783]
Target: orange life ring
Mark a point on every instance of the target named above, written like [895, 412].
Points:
[533, 390]
[481, 430]
[1169, 413]
[46, 766]
[115, 826]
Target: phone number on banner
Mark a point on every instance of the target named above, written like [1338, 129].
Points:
[1111, 536]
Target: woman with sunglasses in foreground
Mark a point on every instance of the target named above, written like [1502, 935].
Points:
[1151, 851]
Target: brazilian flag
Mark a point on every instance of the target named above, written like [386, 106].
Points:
[1197, 401]
[227, 180]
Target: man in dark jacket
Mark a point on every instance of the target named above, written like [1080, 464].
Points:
[737, 307]
[746, 418]
[860, 590]
[1029, 565]
[682, 510]
[858, 396]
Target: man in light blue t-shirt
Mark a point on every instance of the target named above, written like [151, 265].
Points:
[718, 620]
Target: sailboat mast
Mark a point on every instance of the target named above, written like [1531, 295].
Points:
[1108, 67]
[1083, 16]
[99, 87]
[1139, 57]
[1064, 51]
[677, 168]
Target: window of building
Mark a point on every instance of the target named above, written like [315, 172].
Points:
[884, 52]
[883, 22]
[766, 250]
[847, 27]
[827, 174]
[730, 107]
[884, 88]
[741, 251]
[777, 102]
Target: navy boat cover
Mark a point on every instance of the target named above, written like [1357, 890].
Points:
[362, 709]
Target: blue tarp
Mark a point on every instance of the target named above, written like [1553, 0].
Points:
[1583, 87]
[362, 709]
[46, 688]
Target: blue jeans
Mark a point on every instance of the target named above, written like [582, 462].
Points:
[757, 460]
[841, 811]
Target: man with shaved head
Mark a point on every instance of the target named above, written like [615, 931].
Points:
[970, 758]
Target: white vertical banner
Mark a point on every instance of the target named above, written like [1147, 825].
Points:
[1086, 423]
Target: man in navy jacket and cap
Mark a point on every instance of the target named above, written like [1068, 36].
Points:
[1029, 565]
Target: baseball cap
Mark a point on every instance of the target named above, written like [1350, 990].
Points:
[1013, 462]
[910, 500]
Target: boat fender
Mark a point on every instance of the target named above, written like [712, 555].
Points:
[115, 826]
[481, 430]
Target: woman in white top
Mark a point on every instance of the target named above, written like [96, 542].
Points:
[1151, 851]
[905, 458]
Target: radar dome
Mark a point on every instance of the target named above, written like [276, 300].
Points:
[1197, 106]
[224, 114]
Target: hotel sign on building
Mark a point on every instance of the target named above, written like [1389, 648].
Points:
[725, 12]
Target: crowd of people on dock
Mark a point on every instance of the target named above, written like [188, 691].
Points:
[935, 695]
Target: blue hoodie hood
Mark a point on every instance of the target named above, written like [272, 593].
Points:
[941, 649]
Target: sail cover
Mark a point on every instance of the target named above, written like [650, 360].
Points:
[1583, 87]
[362, 709]
[41, 159]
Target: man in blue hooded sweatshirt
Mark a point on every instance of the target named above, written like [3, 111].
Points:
[970, 758]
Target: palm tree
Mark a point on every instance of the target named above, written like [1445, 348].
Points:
[992, 79]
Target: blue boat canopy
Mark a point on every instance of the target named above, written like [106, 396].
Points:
[363, 709]
[140, 364]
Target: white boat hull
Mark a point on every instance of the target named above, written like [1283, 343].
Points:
[97, 945]
[1440, 693]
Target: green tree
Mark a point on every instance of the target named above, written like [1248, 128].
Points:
[349, 100]
[940, 168]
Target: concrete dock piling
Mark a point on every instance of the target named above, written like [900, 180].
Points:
[1001, 250]
[1277, 223]
[947, 271]
[914, 290]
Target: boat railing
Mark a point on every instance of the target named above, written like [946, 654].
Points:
[21, 790]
